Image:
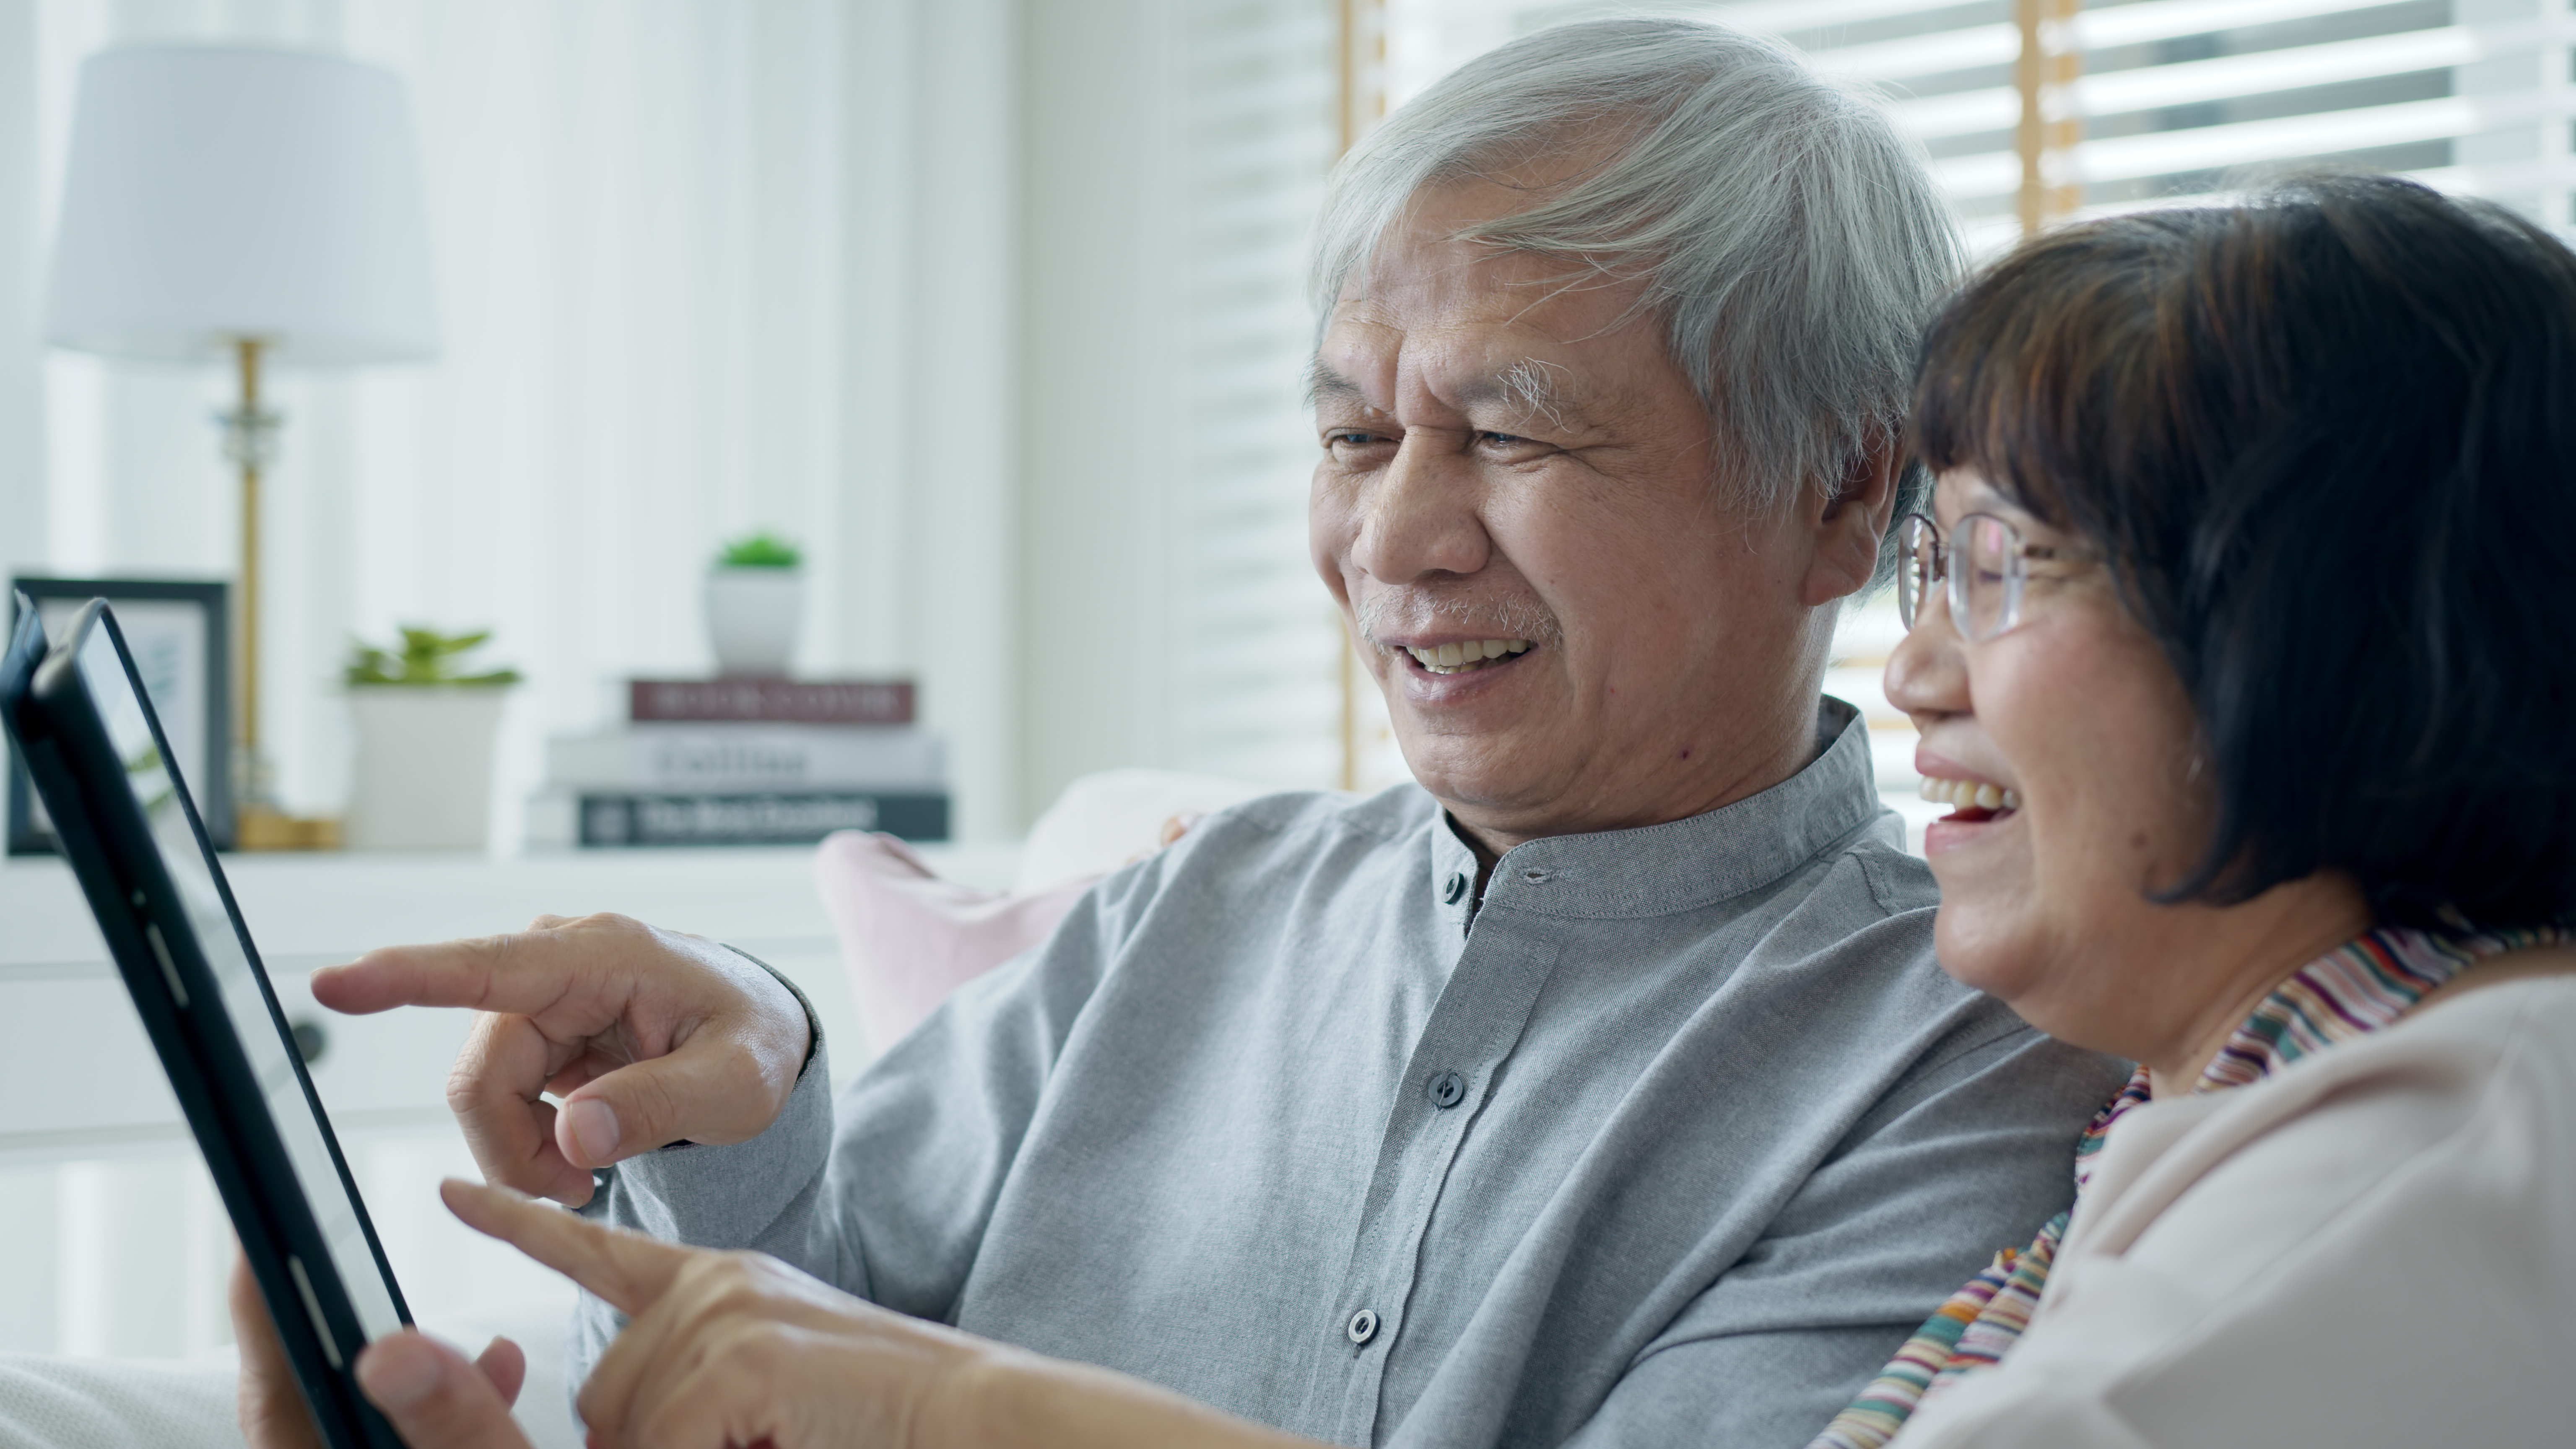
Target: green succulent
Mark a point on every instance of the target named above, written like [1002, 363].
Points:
[759, 551]
[425, 656]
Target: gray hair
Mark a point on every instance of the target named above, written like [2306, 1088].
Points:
[1791, 239]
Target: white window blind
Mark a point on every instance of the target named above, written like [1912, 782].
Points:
[2168, 100]
[1254, 686]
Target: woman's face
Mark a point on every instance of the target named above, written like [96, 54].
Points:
[2045, 902]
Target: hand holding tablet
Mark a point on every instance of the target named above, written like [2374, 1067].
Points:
[660, 1036]
[723, 1348]
[434, 1397]
[127, 823]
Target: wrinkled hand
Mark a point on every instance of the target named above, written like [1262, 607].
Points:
[430, 1394]
[647, 1036]
[735, 1348]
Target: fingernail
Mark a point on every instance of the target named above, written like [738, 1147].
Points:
[594, 1128]
[398, 1373]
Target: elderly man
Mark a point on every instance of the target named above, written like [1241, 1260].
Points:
[1603, 1088]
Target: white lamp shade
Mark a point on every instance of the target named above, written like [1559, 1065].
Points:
[216, 192]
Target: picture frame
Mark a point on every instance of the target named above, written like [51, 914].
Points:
[180, 632]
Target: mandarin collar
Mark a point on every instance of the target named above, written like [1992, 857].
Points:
[1681, 865]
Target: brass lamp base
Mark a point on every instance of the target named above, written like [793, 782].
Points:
[259, 828]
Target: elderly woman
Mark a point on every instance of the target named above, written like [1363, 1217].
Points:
[2237, 642]
[2238, 638]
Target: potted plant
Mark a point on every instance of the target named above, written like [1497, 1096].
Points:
[755, 604]
[426, 731]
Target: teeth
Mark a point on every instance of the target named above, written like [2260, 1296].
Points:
[1968, 794]
[1459, 658]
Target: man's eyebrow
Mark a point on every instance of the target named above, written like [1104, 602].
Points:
[1529, 385]
[1323, 385]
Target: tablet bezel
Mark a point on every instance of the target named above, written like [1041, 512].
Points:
[64, 741]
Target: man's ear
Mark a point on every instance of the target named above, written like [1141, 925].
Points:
[1850, 522]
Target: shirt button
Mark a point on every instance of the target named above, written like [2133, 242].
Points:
[1456, 889]
[1447, 1090]
[1363, 1325]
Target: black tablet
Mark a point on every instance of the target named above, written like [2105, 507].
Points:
[128, 825]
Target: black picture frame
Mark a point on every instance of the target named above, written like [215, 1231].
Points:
[187, 656]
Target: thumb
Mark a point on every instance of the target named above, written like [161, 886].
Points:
[433, 1397]
[710, 1088]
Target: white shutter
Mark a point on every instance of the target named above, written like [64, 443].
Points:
[1254, 675]
[2471, 96]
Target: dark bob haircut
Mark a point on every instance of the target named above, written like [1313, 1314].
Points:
[2326, 441]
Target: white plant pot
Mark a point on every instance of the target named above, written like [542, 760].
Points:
[753, 616]
[423, 779]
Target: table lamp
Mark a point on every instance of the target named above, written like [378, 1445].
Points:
[249, 203]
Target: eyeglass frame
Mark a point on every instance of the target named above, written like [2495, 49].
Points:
[2016, 572]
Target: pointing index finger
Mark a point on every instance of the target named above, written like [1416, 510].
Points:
[628, 1270]
[487, 973]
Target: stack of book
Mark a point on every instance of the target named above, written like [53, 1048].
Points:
[745, 762]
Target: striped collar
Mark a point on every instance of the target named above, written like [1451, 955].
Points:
[2356, 988]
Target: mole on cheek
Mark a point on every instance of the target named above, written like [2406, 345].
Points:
[2138, 841]
[1686, 752]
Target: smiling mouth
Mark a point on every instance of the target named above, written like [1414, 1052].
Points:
[1464, 658]
[1972, 801]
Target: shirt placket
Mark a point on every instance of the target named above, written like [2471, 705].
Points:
[1472, 1031]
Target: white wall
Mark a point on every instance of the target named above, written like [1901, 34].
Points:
[23, 528]
[1096, 395]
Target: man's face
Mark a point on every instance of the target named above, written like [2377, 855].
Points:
[1506, 461]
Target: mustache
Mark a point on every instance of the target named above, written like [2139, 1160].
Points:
[1423, 611]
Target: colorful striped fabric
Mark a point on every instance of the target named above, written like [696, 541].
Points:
[2356, 988]
[1975, 1324]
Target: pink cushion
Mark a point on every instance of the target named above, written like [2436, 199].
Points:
[909, 938]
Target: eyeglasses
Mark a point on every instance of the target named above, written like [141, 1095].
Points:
[1985, 592]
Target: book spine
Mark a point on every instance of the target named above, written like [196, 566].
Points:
[780, 701]
[748, 759]
[628, 820]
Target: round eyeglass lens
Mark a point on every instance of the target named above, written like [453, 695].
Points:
[1986, 570]
[1920, 545]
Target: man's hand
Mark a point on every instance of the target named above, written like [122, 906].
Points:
[647, 1036]
[430, 1394]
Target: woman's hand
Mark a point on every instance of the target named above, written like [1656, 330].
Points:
[426, 1390]
[738, 1348]
[731, 1348]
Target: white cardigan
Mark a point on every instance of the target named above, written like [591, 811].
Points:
[2377, 1246]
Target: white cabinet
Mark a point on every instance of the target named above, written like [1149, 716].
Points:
[110, 1237]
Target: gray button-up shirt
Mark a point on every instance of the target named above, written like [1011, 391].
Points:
[1671, 1141]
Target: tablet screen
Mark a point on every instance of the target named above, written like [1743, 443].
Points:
[270, 1050]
